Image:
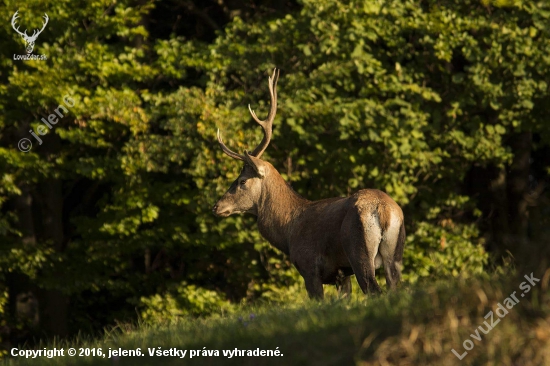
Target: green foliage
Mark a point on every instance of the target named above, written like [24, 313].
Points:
[183, 300]
[403, 96]
[437, 252]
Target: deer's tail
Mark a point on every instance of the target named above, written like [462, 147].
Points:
[398, 255]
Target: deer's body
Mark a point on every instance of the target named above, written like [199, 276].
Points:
[327, 240]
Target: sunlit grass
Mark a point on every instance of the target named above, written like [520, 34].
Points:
[417, 324]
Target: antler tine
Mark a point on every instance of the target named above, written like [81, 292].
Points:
[13, 19]
[267, 125]
[228, 151]
[37, 32]
[46, 18]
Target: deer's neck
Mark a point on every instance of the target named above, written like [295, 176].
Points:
[279, 205]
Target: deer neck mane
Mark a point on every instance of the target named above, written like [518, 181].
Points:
[279, 205]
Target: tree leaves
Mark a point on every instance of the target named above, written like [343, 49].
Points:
[388, 95]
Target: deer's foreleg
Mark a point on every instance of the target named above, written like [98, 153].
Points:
[314, 287]
[311, 273]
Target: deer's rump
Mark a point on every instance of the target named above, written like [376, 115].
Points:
[342, 233]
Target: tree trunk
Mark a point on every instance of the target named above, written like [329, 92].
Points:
[499, 213]
[518, 188]
[55, 304]
[23, 207]
[20, 288]
[508, 208]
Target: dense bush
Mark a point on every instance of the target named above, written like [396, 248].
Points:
[438, 103]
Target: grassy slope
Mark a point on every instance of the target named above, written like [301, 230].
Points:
[416, 325]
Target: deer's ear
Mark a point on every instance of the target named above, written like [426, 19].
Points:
[256, 163]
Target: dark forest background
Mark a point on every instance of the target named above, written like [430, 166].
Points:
[444, 105]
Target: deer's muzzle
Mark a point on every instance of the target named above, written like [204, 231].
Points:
[221, 210]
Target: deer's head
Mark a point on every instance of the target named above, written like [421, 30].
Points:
[245, 192]
[29, 40]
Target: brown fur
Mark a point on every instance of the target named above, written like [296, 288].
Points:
[400, 244]
[325, 239]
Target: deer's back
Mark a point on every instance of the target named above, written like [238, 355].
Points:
[318, 228]
[325, 215]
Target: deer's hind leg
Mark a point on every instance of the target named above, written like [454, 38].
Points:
[391, 250]
[361, 239]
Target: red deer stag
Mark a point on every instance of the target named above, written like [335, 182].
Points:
[327, 240]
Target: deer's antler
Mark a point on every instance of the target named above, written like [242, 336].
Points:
[35, 33]
[13, 19]
[267, 125]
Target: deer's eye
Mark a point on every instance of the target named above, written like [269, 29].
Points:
[243, 182]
